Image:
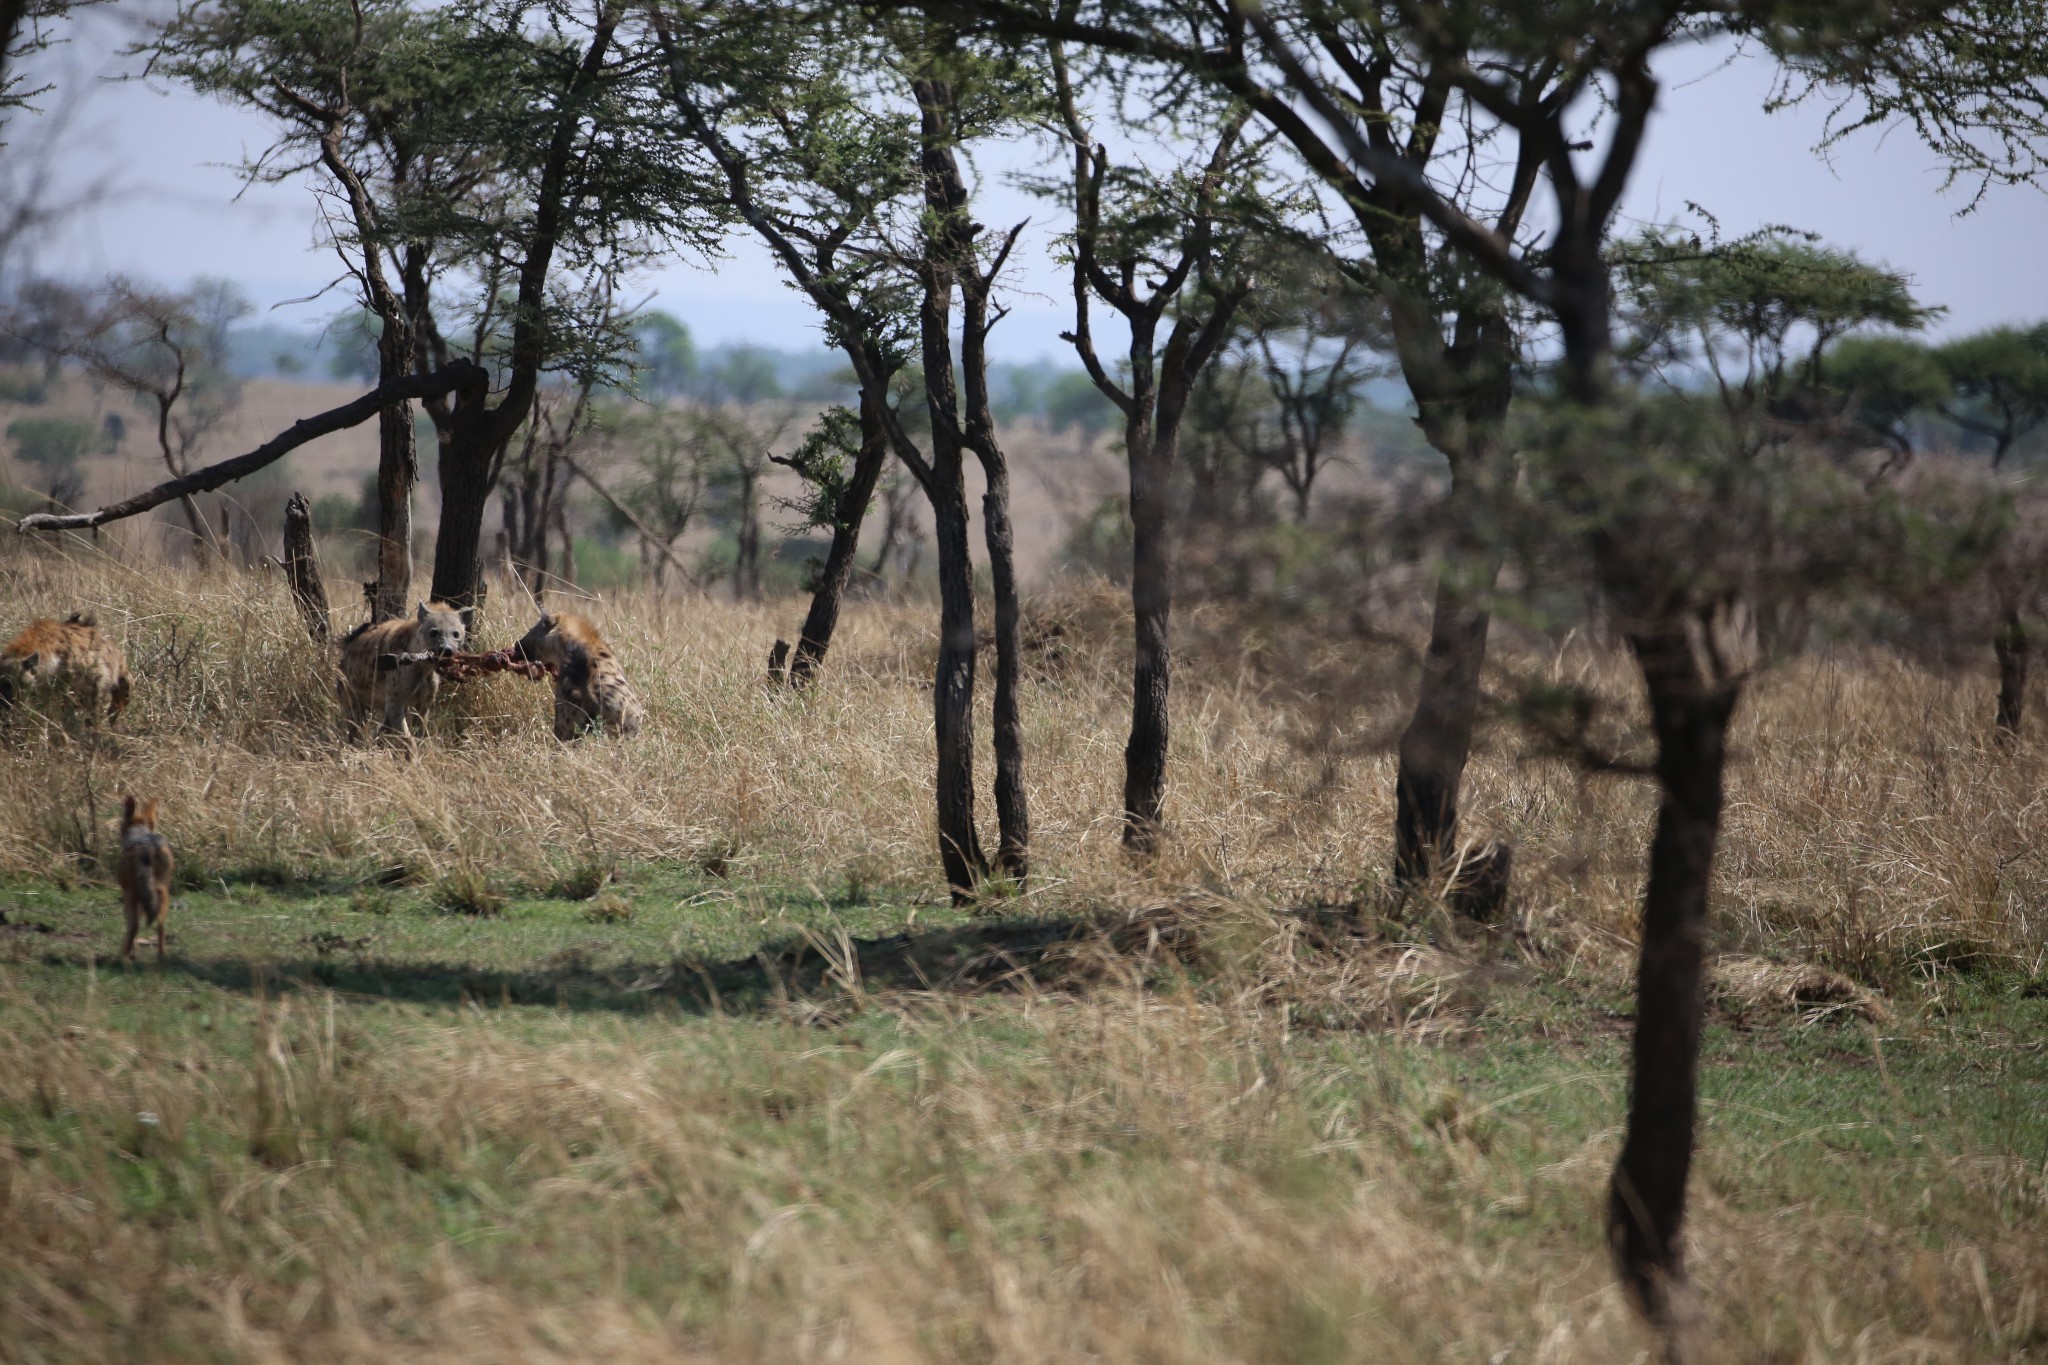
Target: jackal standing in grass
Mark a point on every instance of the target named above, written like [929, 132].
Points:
[145, 875]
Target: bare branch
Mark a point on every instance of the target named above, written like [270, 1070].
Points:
[462, 374]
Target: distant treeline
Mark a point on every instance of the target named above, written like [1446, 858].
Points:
[670, 364]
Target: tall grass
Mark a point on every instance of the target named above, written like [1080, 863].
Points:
[1873, 828]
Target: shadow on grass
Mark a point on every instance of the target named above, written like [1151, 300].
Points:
[992, 955]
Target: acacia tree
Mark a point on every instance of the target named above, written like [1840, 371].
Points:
[1761, 316]
[496, 164]
[1315, 335]
[2000, 381]
[322, 73]
[1165, 252]
[1452, 327]
[169, 350]
[961, 95]
[809, 169]
[826, 168]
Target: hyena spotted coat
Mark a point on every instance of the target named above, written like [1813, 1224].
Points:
[396, 697]
[70, 656]
[590, 687]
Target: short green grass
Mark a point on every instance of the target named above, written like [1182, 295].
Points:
[347, 1122]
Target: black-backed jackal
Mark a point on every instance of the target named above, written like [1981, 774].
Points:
[145, 875]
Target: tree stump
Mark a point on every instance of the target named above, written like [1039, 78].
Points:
[302, 568]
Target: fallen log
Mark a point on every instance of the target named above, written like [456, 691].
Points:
[459, 668]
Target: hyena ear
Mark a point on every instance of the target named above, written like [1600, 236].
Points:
[422, 614]
[468, 615]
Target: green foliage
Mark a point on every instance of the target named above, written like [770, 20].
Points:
[52, 444]
[1100, 543]
[664, 355]
[1741, 309]
[1884, 384]
[336, 513]
[742, 374]
[823, 460]
[2000, 382]
[22, 386]
[1072, 403]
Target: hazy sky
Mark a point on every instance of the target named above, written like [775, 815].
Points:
[172, 209]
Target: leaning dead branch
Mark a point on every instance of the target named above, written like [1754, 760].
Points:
[647, 533]
[457, 375]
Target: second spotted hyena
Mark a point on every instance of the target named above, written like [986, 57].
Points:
[398, 695]
[590, 687]
[69, 660]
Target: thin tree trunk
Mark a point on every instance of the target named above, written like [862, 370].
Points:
[960, 851]
[746, 568]
[397, 471]
[948, 242]
[568, 545]
[1438, 740]
[2012, 648]
[1013, 812]
[1462, 391]
[1151, 673]
[847, 515]
[1693, 685]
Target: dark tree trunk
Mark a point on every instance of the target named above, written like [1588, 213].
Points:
[948, 243]
[302, 568]
[1152, 660]
[397, 471]
[568, 545]
[1462, 391]
[468, 472]
[1693, 687]
[1438, 740]
[847, 515]
[746, 567]
[2012, 647]
[953, 688]
[1013, 812]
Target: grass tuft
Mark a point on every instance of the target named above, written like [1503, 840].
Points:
[466, 891]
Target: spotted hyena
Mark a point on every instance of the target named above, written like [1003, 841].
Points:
[590, 687]
[397, 696]
[69, 661]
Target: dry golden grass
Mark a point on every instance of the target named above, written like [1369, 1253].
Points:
[1287, 1155]
[1873, 827]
